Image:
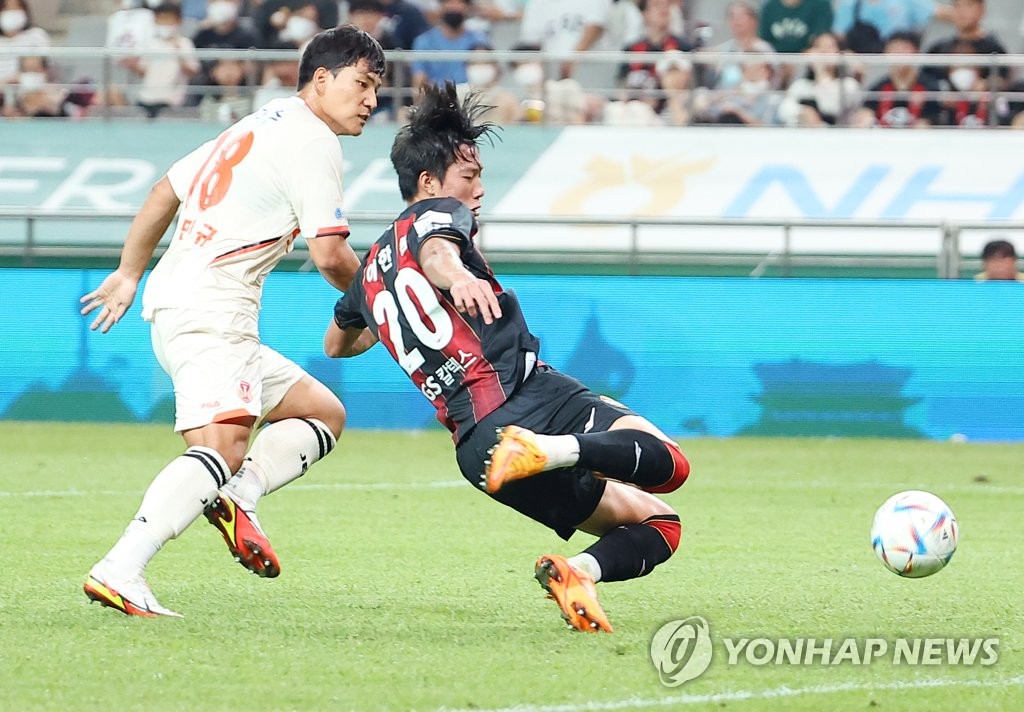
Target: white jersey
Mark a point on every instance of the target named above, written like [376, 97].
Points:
[245, 197]
[558, 27]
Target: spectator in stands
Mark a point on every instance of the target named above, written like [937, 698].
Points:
[221, 29]
[750, 102]
[971, 106]
[789, 25]
[449, 35]
[279, 79]
[370, 17]
[886, 17]
[483, 75]
[564, 27]
[293, 21]
[675, 76]
[35, 94]
[968, 18]
[743, 17]
[638, 79]
[900, 100]
[228, 103]
[823, 96]
[406, 22]
[17, 30]
[999, 263]
[165, 78]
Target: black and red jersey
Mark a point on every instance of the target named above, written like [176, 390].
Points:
[464, 367]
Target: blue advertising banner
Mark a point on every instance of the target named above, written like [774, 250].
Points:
[718, 357]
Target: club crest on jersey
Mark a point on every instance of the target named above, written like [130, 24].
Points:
[245, 391]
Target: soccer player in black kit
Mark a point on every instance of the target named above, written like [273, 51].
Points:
[534, 439]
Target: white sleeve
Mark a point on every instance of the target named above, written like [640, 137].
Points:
[531, 28]
[313, 183]
[184, 170]
[597, 12]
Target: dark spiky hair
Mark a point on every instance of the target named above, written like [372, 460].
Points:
[439, 130]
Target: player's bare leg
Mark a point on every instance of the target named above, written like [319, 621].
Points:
[175, 498]
[302, 429]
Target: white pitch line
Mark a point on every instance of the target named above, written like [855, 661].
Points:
[744, 695]
[311, 487]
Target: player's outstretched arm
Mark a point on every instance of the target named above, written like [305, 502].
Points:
[345, 343]
[117, 292]
[442, 265]
[335, 260]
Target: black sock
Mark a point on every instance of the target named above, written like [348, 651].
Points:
[633, 456]
[633, 550]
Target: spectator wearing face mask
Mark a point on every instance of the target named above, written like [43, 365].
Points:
[221, 30]
[449, 35]
[968, 18]
[293, 21]
[751, 101]
[743, 18]
[165, 77]
[17, 30]
[35, 95]
[482, 76]
[970, 106]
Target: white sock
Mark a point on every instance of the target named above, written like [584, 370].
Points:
[587, 564]
[175, 498]
[280, 453]
[562, 450]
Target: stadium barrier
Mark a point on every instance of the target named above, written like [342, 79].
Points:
[700, 357]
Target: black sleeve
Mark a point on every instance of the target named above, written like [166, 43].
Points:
[445, 217]
[346, 311]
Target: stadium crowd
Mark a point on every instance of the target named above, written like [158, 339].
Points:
[797, 62]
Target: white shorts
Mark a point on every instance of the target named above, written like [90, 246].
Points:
[218, 366]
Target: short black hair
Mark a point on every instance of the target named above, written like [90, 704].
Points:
[998, 248]
[366, 6]
[341, 47]
[905, 36]
[439, 129]
[168, 8]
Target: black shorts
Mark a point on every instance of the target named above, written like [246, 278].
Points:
[549, 403]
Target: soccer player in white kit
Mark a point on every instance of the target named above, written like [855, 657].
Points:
[244, 197]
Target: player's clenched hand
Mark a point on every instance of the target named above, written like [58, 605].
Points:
[476, 297]
[112, 298]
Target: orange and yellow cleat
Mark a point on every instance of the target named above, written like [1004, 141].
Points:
[514, 457]
[574, 592]
[244, 536]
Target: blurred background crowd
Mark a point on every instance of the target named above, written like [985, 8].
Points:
[616, 62]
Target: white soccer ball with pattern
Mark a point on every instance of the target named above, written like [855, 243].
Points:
[914, 534]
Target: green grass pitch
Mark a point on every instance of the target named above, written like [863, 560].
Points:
[403, 588]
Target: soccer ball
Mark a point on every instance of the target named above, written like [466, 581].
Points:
[914, 534]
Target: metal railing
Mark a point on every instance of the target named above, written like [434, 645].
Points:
[947, 259]
[400, 90]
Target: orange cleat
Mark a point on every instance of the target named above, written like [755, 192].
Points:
[244, 536]
[514, 457]
[574, 592]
